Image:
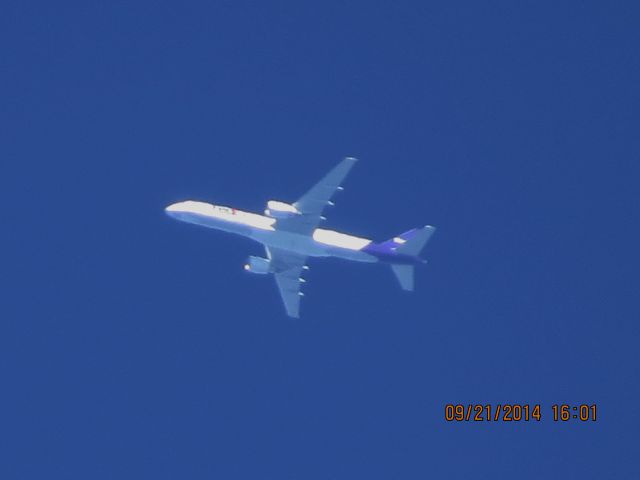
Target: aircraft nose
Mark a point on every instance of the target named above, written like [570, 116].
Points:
[173, 208]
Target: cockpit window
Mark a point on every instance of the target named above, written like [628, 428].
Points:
[227, 210]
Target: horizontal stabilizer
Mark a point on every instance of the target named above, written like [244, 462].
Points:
[404, 274]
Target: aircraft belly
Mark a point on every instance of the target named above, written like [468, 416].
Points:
[292, 242]
[307, 246]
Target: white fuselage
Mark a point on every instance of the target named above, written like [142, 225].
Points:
[323, 243]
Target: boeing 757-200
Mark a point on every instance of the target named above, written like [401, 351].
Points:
[290, 235]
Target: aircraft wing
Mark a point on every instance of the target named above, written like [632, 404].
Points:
[287, 269]
[312, 203]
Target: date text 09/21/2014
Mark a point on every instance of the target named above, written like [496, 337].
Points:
[517, 412]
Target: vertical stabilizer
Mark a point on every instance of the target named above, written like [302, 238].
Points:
[404, 274]
[413, 241]
[408, 243]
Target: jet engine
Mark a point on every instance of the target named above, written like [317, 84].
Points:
[280, 210]
[258, 265]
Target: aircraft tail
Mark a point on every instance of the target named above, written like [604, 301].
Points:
[409, 243]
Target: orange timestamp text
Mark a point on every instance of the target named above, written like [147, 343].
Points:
[515, 412]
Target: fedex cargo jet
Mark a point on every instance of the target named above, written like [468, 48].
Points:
[290, 236]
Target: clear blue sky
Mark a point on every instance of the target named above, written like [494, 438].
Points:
[132, 346]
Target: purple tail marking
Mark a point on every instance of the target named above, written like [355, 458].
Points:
[386, 250]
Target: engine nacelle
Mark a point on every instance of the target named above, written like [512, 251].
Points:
[280, 210]
[258, 265]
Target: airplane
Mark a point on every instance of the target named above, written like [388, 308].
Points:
[290, 235]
